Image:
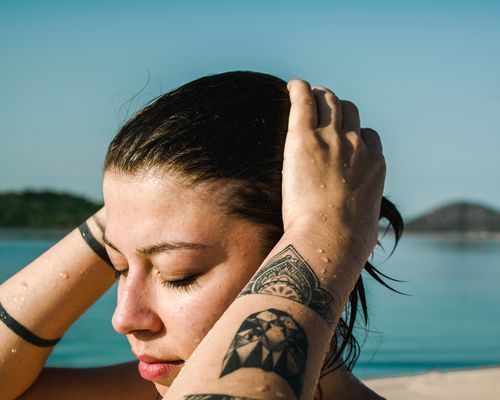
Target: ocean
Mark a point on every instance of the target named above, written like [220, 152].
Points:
[448, 319]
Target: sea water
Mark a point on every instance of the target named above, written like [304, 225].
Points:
[449, 319]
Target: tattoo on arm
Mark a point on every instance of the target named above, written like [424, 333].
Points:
[288, 275]
[272, 341]
[214, 397]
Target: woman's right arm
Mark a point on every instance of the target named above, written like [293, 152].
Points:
[46, 297]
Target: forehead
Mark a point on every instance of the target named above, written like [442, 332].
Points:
[143, 207]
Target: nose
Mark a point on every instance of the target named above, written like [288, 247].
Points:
[134, 311]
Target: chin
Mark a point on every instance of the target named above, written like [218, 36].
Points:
[162, 389]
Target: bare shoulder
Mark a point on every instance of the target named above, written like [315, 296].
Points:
[120, 381]
[343, 385]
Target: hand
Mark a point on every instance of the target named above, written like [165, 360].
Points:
[333, 172]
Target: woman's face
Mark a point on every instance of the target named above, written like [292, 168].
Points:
[184, 262]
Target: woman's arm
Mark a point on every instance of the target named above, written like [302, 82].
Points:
[46, 297]
[271, 342]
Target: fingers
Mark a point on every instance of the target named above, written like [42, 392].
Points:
[371, 139]
[303, 115]
[350, 117]
[328, 106]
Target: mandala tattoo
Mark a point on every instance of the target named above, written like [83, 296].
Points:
[214, 397]
[273, 341]
[288, 275]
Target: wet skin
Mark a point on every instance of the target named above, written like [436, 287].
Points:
[184, 260]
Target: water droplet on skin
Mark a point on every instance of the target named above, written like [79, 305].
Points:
[263, 388]
[22, 299]
[281, 395]
[63, 275]
[323, 218]
[313, 161]
[326, 259]
[14, 351]
[323, 271]
[24, 285]
[330, 205]
[320, 251]
[322, 186]
[345, 165]
[343, 180]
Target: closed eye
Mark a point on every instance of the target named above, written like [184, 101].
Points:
[186, 283]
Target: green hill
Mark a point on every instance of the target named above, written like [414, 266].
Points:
[44, 209]
[460, 218]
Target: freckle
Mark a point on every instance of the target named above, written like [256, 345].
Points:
[63, 275]
[325, 259]
[320, 251]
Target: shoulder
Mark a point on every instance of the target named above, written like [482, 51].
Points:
[341, 384]
[120, 381]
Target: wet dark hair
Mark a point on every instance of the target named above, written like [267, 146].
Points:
[232, 127]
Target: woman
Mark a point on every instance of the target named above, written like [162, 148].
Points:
[193, 207]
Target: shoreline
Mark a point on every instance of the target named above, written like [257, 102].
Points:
[451, 236]
[481, 383]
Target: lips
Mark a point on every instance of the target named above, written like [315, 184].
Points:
[154, 369]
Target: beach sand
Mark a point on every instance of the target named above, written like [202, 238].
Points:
[478, 384]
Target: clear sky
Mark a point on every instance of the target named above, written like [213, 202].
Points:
[425, 74]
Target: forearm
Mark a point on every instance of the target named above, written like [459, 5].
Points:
[306, 314]
[46, 297]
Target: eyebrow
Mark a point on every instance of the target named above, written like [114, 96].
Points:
[162, 247]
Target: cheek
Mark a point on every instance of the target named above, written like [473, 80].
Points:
[199, 310]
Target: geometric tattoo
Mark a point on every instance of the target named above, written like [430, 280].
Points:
[273, 341]
[288, 275]
[214, 397]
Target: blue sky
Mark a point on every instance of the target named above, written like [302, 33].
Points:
[424, 74]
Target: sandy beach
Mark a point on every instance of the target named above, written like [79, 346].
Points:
[477, 384]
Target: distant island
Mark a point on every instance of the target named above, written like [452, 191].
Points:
[463, 219]
[63, 211]
[44, 209]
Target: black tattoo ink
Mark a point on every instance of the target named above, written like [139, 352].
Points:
[214, 397]
[96, 246]
[24, 332]
[272, 341]
[288, 275]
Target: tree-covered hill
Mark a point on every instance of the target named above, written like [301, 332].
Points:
[460, 217]
[44, 209]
